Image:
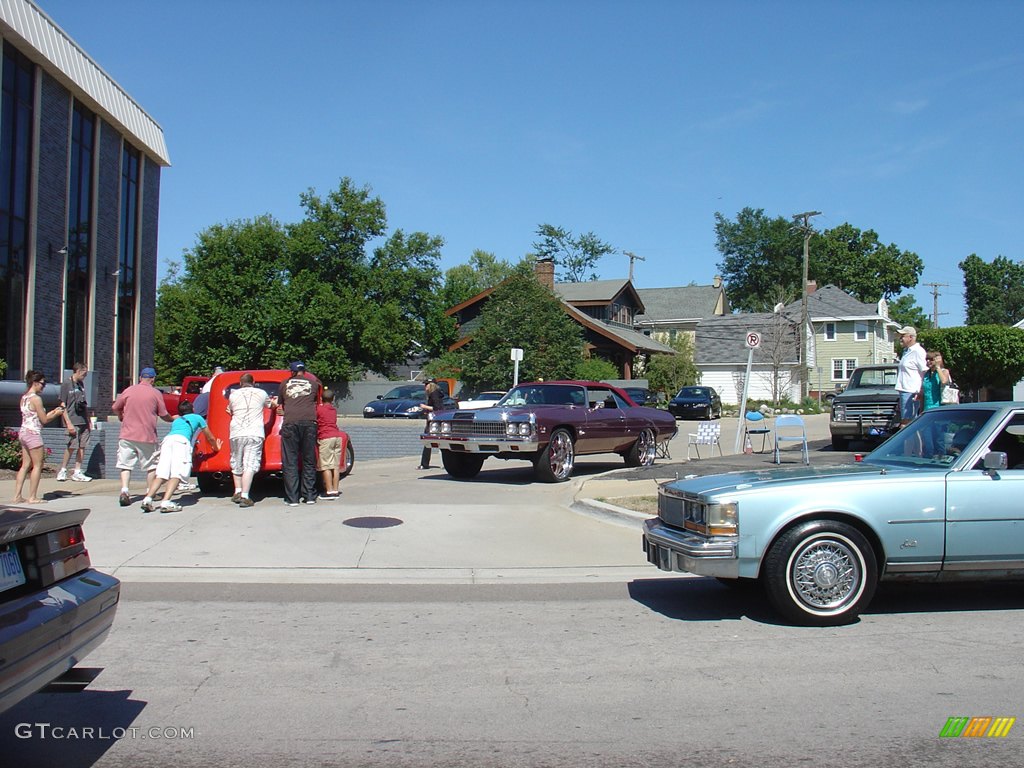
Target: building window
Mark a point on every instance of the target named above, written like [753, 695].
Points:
[860, 331]
[830, 331]
[127, 260]
[77, 293]
[16, 121]
[842, 368]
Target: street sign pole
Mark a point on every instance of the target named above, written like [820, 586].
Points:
[753, 341]
[516, 355]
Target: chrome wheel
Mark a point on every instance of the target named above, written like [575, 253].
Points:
[642, 452]
[555, 462]
[821, 573]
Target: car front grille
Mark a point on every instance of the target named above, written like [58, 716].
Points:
[477, 428]
[677, 511]
[870, 413]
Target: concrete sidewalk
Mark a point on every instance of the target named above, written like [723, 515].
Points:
[395, 524]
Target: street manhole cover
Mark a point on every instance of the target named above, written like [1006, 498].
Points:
[372, 522]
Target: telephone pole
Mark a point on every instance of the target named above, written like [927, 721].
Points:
[632, 257]
[808, 230]
[935, 302]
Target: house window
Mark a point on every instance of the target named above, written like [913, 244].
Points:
[860, 331]
[830, 331]
[842, 368]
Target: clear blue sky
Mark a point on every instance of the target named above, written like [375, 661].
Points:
[477, 120]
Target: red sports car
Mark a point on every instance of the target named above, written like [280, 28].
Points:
[213, 468]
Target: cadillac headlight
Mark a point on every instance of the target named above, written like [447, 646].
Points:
[433, 428]
[446, 427]
[722, 519]
[511, 429]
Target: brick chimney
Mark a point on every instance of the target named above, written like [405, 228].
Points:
[716, 282]
[544, 270]
[812, 286]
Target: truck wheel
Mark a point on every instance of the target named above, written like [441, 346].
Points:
[839, 443]
[641, 453]
[554, 464]
[462, 466]
[821, 573]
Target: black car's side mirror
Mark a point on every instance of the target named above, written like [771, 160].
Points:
[380, 397]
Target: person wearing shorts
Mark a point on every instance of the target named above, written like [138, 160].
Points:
[138, 408]
[30, 436]
[328, 439]
[246, 433]
[175, 457]
[76, 421]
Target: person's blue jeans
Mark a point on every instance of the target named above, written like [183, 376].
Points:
[298, 447]
[908, 406]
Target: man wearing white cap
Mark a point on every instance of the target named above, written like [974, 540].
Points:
[911, 371]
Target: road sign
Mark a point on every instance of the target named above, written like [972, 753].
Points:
[517, 354]
[753, 340]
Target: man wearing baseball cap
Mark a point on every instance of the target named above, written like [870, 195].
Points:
[909, 374]
[296, 399]
[138, 408]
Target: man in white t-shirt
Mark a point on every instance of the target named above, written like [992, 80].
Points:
[911, 371]
[246, 405]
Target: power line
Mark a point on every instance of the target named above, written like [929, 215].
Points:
[805, 369]
[632, 257]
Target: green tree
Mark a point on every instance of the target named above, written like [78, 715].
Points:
[463, 281]
[667, 373]
[596, 369]
[762, 259]
[258, 294]
[994, 292]
[859, 264]
[904, 310]
[576, 257]
[979, 355]
[521, 313]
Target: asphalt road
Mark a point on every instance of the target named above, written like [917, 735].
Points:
[650, 672]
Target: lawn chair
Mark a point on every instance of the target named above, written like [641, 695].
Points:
[754, 424]
[792, 423]
[708, 433]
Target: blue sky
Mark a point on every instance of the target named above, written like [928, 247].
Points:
[478, 121]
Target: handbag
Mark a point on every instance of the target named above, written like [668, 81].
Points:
[950, 394]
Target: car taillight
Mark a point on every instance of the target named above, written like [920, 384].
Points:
[55, 555]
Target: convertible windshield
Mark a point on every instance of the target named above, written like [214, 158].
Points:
[935, 439]
[545, 394]
[408, 392]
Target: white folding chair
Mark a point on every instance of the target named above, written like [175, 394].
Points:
[792, 423]
[708, 433]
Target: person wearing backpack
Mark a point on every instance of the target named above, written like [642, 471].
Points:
[175, 459]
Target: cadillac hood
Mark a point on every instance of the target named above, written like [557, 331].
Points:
[742, 482]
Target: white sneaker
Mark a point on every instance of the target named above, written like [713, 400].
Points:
[184, 485]
[62, 475]
[170, 506]
[80, 477]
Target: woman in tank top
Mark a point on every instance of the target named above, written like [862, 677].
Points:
[31, 438]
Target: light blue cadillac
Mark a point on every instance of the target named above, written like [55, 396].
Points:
[941, 500]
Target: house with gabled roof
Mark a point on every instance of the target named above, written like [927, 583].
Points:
[721, 355]
[605, 309]
[671, 311]
[844, 333]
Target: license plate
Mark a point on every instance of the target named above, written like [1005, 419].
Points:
[11, 574]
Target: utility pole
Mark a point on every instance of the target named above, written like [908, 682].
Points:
[805, 372]
[935, 302]
[632, 257]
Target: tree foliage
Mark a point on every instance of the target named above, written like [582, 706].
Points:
[520, 313]
[862, 266]
[994, 292]
[596, 369]
[463, 281]
[904, 310]
[258, 294]
[667, 373]
[762, 260]
[979, 355]
[575, 256]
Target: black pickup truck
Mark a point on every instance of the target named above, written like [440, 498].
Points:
[868, 409]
